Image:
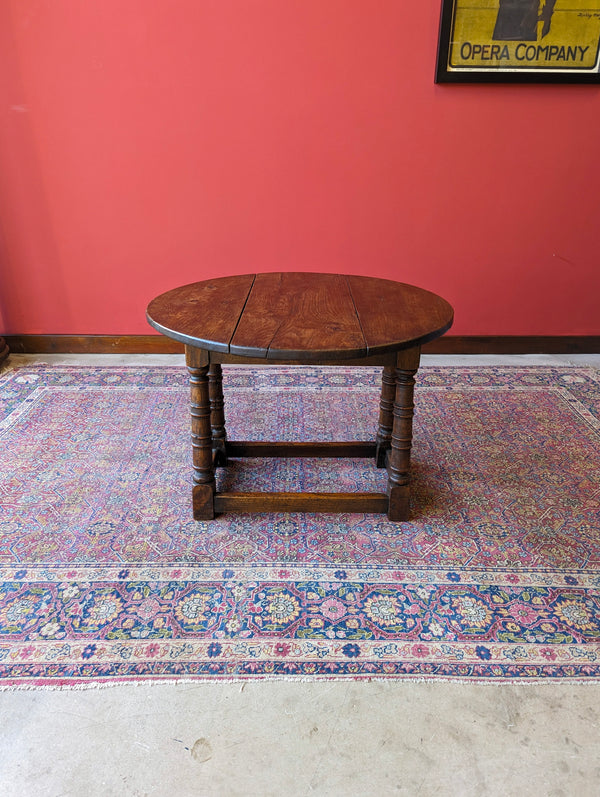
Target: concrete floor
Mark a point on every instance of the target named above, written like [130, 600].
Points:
[325, 738]
[287, 738]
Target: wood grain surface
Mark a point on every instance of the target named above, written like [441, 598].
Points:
[203, 313]
[300, 316]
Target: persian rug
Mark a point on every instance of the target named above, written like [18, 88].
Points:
[105, 577]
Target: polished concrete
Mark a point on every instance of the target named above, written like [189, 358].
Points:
[288, 738]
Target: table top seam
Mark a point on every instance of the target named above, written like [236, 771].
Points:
[237, 323]
[357, 314]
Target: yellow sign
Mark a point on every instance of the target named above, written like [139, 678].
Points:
[534, 36]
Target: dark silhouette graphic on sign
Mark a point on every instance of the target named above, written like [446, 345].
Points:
[518, 20]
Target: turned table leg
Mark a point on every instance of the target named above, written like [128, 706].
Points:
[217, 414]
[398, 461]
[386, 418]
[202, 457]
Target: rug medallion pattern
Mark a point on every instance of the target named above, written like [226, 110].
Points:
[105, 577]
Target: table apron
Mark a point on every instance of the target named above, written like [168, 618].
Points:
[404, 358]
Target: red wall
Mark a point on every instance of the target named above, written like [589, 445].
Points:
[149, 143]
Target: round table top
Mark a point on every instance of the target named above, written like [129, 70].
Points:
[300, 315]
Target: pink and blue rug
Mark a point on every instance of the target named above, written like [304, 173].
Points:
[106, 578]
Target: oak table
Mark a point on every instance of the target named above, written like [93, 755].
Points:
[297, 318]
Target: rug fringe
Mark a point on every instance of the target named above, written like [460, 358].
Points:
[243, 680]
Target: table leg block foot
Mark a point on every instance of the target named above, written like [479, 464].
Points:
[399, 502]
[203, 502]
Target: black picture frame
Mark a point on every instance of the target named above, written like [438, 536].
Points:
[479, 41]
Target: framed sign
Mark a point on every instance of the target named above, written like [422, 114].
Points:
[510, 41]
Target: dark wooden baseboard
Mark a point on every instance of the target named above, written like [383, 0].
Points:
[93, 344]
[449, 344]
[4, 350]
[514, 344]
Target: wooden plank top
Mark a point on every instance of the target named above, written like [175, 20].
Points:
[300, 316]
